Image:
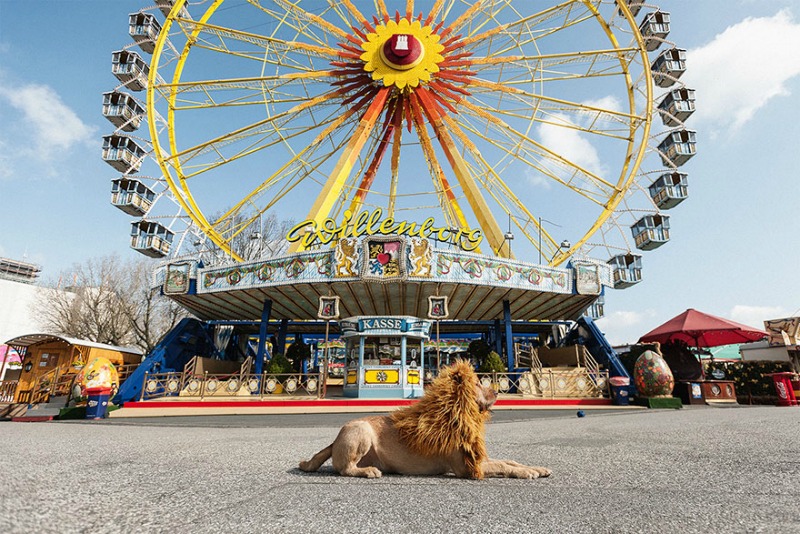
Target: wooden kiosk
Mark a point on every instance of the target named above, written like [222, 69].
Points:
[385, 356]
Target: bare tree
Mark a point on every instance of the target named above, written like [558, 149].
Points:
[108, 301]
[150, 314]
[254, 236]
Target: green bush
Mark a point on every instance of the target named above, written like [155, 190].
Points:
[492, 364]
[279, 365]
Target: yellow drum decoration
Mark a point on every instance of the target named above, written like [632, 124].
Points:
[413, 376]
[352, 376]
[382, 376]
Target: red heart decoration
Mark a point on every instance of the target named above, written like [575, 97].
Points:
[383, 258]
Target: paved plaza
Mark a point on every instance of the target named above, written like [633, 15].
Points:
[699, 469]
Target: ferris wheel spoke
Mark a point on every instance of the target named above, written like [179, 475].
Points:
[480, 208]
[504, 195]
[302, 15]
[378, 151]
[553, 67]
[529, 99]
[523, 142]
[333, 186]
[297, 170]
[291, 54]
[515, 151]
[262, 127]
[254, 88]
[504, 29]
[454, 215]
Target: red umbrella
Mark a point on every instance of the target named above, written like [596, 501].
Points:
[699, 329]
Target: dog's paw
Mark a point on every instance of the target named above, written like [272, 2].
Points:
[372, 472]
[531, 472]
[540, 472]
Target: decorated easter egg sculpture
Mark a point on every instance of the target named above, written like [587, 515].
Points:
[652, 375]
[99, 373]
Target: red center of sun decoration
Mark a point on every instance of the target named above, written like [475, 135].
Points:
[402, 49]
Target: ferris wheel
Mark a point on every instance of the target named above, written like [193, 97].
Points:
[536, 124]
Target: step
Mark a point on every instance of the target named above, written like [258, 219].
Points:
[13, 410]
[33, 418]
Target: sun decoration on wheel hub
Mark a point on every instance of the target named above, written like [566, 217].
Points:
[402, 53]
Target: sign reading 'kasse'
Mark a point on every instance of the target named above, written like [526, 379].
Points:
[382, 323]
[310, 233]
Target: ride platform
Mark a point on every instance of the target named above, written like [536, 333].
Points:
[302, 405]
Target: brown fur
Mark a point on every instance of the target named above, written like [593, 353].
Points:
[442, 433]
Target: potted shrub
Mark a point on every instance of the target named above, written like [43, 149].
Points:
[492, 364]
[278, 365]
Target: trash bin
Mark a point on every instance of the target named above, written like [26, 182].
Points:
[796, 387]
[784, 389]
[619, 390]
[97, 403]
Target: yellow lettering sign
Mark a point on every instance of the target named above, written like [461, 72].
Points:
[370, 223]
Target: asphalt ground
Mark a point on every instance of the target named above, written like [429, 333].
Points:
[700, 469]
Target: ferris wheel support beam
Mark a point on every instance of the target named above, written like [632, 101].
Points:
[480, 208]
[333, 187]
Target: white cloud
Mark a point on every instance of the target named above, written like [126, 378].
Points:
[569, 143]
[743, 68]
[623, 327]
[46, 120]
[538, 180]
[756, 315]
[610, 102]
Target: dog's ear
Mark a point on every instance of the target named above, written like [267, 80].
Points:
[457, 376]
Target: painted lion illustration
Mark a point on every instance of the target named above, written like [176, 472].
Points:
[442, 433]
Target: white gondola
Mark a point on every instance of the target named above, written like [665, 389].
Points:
[131, 196]
[633, 5]
[122, 153]
[166, 6]
[122, 110]
[677, 106]
[130, 69]
[597, 309]
[151, 238]
[626, 269]
[651, 231]
[144, 28]
[669, 189]
[669, 66]
[678, 147]
[654, 29]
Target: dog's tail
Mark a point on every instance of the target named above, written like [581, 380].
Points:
[316, 462]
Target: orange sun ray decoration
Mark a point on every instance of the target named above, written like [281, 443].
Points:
[407, 56]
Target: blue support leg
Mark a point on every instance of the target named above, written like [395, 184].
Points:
[266, 311]
[281, 348]
[509, 334]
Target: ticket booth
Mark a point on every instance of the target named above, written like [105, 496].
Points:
[385, 356]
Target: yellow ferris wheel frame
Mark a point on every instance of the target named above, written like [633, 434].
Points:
[443, 125]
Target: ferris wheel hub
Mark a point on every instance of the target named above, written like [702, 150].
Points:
[402, 54]
[402, 51]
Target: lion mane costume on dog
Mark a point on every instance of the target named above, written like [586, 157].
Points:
[442, 433]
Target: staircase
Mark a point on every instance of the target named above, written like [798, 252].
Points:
[43, 411]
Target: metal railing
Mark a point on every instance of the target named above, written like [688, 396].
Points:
[7, 390]
[160, 385]
[549, 383]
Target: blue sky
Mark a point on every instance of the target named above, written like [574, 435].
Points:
[734, 249]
